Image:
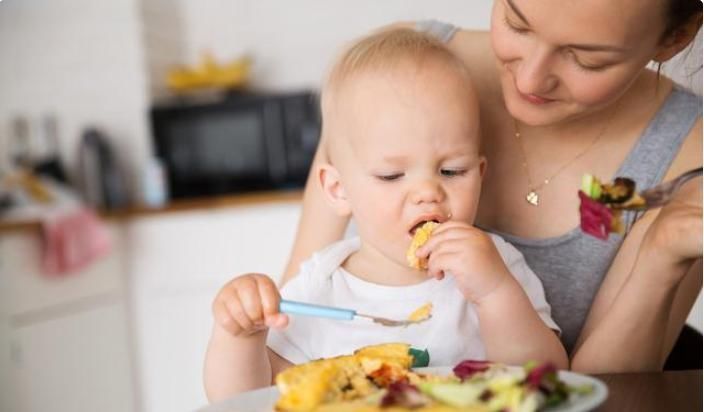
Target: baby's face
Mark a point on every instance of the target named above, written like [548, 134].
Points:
[408, 152]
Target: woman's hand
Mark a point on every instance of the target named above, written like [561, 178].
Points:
[469, 255]
[675, 236]
[247, 305]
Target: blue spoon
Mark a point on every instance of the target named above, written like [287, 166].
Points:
[307, 309]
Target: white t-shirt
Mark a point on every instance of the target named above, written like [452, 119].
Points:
[450, 336]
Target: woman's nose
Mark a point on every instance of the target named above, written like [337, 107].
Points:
[428, 192]
[534, 73]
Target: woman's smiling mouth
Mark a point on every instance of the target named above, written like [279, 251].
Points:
[534, 99]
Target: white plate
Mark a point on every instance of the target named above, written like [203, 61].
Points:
[263, 400]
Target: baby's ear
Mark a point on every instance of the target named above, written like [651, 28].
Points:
[329, 179]
[482, 165]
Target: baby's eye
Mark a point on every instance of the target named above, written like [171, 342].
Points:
[390, 178]
[453, 172]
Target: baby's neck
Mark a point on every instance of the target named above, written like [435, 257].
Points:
[370, 265]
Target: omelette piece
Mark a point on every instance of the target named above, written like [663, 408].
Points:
[421, 235]
[305, 387]
[422, 313]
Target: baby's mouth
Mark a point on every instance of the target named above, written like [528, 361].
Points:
[419, 224]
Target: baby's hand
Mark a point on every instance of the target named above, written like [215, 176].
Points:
[247, 305]
[467, 253]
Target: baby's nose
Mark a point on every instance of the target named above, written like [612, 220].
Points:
[428, 192]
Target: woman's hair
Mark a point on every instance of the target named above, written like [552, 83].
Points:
[678, 13]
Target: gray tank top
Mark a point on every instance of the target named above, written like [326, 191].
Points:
[572, 266]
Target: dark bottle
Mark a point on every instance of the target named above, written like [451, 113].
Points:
[49, 164]
[101, 181]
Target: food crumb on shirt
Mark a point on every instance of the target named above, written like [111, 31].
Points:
[422, 313]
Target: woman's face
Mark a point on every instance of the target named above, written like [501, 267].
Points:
[564, 59]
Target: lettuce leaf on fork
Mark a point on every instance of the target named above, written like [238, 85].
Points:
[598, 208]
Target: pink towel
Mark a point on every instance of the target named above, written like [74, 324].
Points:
[72, 240]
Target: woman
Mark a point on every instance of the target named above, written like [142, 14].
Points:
[565, 91]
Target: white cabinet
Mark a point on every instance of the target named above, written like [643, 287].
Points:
[177, 264]
[129, 332]
[79, 362]
[64, 339]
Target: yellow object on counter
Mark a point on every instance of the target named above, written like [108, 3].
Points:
[210, 74]
[31, 184]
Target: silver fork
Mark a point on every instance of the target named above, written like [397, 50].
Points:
[661, 194]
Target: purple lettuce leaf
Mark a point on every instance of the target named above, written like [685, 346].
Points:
[403, 394]
[595, 218]
[467, 368]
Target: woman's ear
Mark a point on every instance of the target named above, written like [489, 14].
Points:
[329, 179]
[680, 38]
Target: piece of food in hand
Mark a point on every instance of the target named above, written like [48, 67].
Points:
[601, 205]
[422, 313]
[421, 235]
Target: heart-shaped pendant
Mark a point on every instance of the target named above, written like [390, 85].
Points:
[532, 198]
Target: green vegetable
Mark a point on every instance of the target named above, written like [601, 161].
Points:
[584, 389]
[421, 358]
[453, 394]
[591, 186]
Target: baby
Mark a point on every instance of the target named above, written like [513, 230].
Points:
[401, 125]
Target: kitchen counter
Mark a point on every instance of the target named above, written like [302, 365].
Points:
[216, 202]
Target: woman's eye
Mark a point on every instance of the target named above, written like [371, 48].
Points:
[586, 66]
[452, 172]
[514, 27]
[390, 178]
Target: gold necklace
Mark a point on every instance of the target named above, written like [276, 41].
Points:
[533, 197]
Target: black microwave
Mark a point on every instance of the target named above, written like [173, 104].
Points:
[243, 142]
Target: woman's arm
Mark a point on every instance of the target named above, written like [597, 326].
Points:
[652, 284]
[318, 225]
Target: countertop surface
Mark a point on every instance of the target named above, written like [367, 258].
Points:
[185, 205]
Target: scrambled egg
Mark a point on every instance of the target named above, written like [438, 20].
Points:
[307, 386]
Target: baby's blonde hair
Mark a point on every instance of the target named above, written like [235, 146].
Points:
[386, 51]
[389, 49]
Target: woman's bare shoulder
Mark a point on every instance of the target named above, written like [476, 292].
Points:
[474, 48]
